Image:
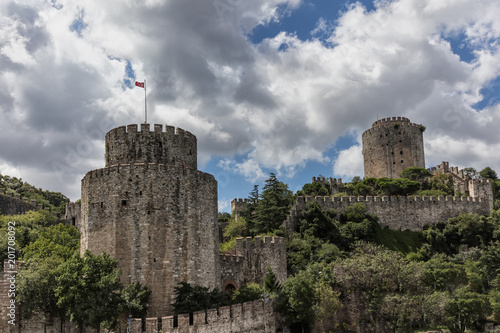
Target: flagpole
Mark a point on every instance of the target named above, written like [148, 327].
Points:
[145, 104]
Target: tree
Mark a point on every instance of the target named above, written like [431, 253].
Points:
[89, 289]
[135, 298]
[467, 310]
[488, 173]
[273, 206]
[247, 293]
[416, 174]
[189, 299]
[59, 240]
[36, 288]
[471, 172]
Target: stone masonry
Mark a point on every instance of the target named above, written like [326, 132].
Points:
[11, 204]
[151, 209]
[398, 213]
[392, 145]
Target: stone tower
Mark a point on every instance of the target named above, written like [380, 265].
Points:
[392, 145]
[151, 209]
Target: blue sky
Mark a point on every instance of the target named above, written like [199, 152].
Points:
[283, 86]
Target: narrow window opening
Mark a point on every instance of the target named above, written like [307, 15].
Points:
[401, 152]
[102, 204]
[140, 192]
[73, 221]
[401, 161]
[124, 202]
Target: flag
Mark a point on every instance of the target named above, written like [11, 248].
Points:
[139, 84]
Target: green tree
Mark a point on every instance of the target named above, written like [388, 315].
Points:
[471, 172]
[235, 228]
[443, 275]
[271, 283]
[313, 189]
[135, 298]
[36, 288]
[467, 310]
[416, 174]
[488, 173]
[60, 240]
[89, 289]
[189, 299]
[247, 293]
[273, 206]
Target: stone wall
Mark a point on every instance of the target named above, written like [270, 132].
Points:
[250, 260]
[333, 185]
[392, 145]
[9, 307]
[238, 206]
[12, 204]
[153, 211]
[73, 215]
[399, 213]
[125, 145]
[258, 316]
[159, 221]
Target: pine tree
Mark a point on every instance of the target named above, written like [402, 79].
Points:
[273, 206]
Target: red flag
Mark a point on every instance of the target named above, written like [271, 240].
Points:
[139, 84]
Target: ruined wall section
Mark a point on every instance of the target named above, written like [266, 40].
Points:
[125, 145]
[482, 188]
[398, 213]
[11, 204]
[333, 185]
[392, 145]
[257, 316]
[238, 205]
[73, 215]
[251, 258]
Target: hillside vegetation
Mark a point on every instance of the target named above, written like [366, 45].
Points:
[447, 276]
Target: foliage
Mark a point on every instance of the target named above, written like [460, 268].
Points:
[61, 240]
[189, 299]
[135, 298]
[466, 229]
[235, 228]
[467, 311]
[54, 200]
[247, 293]
[313, 189]
[271, 283]
[443, 182]
[273, 206]
[471, 172]
[228, 246]
[36, 288]
[89, 289]
[27, 229]
[443, 275]
[386, 186]
[488, 173]
[416, 174]
[400, 241]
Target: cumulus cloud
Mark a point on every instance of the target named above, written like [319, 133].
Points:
[349, 163]
[66, 69]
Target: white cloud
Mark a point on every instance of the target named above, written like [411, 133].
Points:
[276, 106]
[349, 163]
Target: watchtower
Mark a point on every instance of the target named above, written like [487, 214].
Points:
[151, 209]
[392, 145]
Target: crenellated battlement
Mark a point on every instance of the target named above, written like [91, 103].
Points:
[411, 212]
[12, 204]
[165, 145]
[134, 168]
[256, 316]
[251, 258]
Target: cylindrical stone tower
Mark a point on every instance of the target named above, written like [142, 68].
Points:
[392, 145]
[151, 209]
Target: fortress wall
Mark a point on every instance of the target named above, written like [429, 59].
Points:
[12, 204]
[399, 213]
[166, 145]
[257, 316]
[251, 259]
[159, 221]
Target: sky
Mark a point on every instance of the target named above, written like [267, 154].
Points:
[282, 86]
